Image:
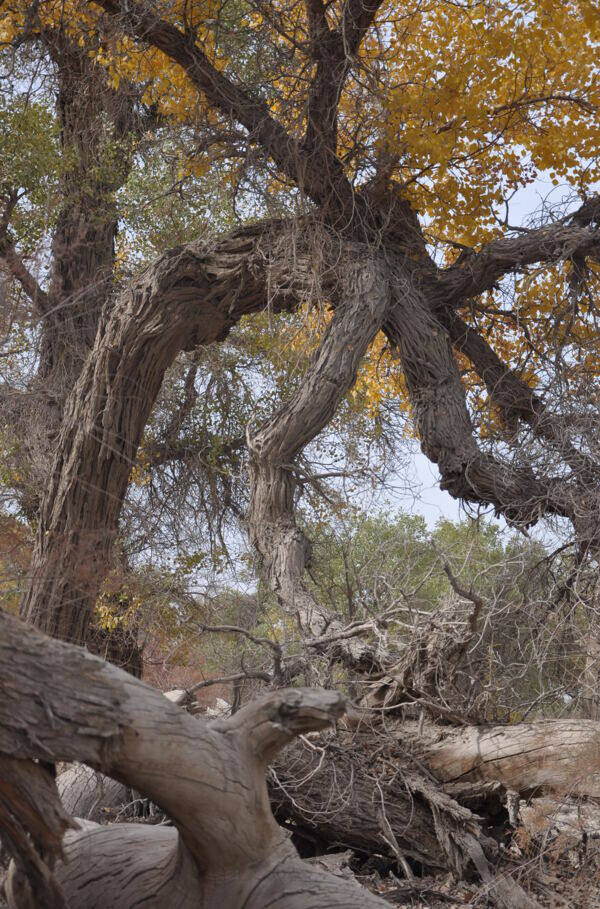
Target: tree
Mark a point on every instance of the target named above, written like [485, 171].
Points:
[358, 134]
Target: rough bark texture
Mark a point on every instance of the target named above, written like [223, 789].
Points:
[335, 800]
[93, 796]
[81, 506]
[553, 756]
[96, 126]
[138, 865]
[32, 822]
[191, 296]
[209, 777]
[442, 419]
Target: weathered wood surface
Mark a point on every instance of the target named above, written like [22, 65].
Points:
[551, 756]
[60, 703]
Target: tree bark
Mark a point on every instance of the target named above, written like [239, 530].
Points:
[283, 547]
[559, 757]
[61, 703]
[442, 419]
[97, 124]
[191, 296]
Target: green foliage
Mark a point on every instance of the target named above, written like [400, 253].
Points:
[165, 203]
[375, 562]
[29, 166]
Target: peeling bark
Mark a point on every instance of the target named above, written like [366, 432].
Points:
[32, 822]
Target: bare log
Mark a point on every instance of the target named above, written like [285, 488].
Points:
[336, 799]
[61, 703]
[135, 861]
[548, 817]
[550, 756]
[87, 794]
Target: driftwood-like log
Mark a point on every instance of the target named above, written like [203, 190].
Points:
[60, 703]
[561, 757]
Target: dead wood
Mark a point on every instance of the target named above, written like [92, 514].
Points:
[209, 778]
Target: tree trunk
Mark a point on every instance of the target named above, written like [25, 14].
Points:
[283, 547]
[97, 124]
[191, 296]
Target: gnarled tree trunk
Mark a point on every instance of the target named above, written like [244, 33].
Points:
[191, 296]
[284, 549]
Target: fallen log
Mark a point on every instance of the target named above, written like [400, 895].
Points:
[93, 796]
[60, 703]
[545, 818]
[547, 756]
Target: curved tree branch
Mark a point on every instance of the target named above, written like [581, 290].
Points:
[477, 272]
[273, 447]
[192, 295]
[322, 180]
[442, 419]
[515, 397]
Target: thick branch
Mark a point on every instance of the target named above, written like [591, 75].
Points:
[442, 419]
[515, 397]
[19, 271]
[333, 51]
[273, 530]
[553, 756]
[477, 272]
[322, 180]
[13, 261]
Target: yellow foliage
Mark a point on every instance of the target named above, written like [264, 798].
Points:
[140, 473]
[459, 104]
[119, 610]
